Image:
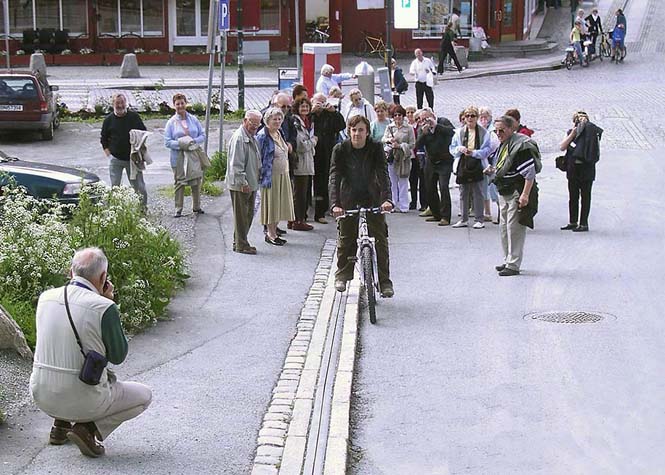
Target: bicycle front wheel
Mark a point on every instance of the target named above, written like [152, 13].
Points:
[368, 277]
[362, 49]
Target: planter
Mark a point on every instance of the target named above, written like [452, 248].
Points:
[17, 60]
[190, 59]
[113, 59]
[160, 58]
[92, 59]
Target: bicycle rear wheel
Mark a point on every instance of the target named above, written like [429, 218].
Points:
[368, 271]
[362, 49]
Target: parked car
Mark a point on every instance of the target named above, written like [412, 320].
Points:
[43, 180]
[27, 102]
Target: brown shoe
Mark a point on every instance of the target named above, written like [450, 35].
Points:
[58, 435]
[83, 435]
[302, 226]
[432, 219]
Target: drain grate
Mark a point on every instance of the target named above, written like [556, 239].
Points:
[566, 317]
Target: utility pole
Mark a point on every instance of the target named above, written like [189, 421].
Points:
[5, 8]
[389, 53]
[241, 61]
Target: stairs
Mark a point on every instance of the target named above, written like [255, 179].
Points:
[523, 49]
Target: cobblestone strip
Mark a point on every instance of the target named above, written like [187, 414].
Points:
[338, 436]
[283, 434]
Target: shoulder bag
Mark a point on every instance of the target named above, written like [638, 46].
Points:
[93, 362]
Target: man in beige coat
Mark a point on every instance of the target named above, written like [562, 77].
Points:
[97, 410]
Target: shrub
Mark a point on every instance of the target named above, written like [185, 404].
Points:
[38, 239]
[217, 169]
[145, 264]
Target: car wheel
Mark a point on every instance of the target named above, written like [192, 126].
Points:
[56, 120]
[47, 134]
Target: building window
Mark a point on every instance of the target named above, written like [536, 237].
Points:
[58, 14]
[269, 15]
[137, 17]
[434, 14]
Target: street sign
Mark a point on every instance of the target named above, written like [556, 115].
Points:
[406, 14]
[286, 77]
[224, 15]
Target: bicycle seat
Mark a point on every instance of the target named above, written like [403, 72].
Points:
[569, 49]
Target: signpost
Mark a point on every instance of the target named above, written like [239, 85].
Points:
[5, 14]
[212, 32]
[286, 77]
[224, 26]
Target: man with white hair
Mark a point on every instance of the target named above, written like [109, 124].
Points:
[422, 69]
[115, 142]
[358, 106]
[72, 320]
[328, 79]
[242, 178]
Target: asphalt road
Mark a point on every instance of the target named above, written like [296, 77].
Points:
[455, 380]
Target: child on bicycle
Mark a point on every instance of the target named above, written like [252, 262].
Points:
[576, 40]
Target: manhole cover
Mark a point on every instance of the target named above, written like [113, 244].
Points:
[566, 317]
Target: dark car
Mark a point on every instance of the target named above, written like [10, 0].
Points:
[27, 102]
[45, 181]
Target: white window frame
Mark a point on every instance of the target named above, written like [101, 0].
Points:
[142, 33]
[60, 18]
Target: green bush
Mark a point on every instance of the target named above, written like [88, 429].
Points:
[38, 240]
[217, 169]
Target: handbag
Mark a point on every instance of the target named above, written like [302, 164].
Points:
[560, 162]
[93, 362]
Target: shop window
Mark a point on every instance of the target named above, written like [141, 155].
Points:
[435, 14]
[20, 17]
[47, 13]
[72, 19]
[55, 14]
[186, 17]
[139, 17]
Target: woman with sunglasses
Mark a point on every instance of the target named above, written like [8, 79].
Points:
[471, 147]
[399, 141]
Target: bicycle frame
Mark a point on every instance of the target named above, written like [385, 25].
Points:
[365, 240]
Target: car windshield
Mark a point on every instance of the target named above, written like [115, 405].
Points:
[17, 88]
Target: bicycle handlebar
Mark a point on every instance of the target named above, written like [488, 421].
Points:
[351, 212]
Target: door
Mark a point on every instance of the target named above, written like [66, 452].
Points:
[502, 21]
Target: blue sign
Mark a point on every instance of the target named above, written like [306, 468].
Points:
[224, 16]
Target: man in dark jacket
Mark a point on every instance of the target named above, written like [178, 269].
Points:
[115, 142]
[359, 178]
[328, 122]
[436, 138]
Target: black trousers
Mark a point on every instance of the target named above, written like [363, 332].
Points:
[437, 179]
[301, 186]
[321, 173]
[423, 88]
[416, 178]
[347, 229]
[579, 190]
[446, 50]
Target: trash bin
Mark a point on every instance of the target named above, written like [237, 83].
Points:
[460, 51]
[475, 44]
[385, 91]
[365, 75]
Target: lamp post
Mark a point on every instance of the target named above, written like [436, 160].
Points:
[241, 61]
[5, 8]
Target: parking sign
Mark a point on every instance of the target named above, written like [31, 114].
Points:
[224, 15]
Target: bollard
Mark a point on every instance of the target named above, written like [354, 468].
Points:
[130, 67]
[365, 74]
[38, 64]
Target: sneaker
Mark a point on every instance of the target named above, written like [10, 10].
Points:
[488, 218]
[58, 434]
[461, 224]
[340, 285]
[500, 267]
[507, 272]
[478, 225]
[444, 222]
[387, 291]
[84, 437]
[426, 213]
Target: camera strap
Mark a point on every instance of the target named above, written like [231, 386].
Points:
[71, 321]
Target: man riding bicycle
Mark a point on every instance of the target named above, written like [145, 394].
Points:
[359, 178]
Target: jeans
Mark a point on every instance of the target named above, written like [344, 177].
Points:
[578, 49]
[437, 180]
[116, 168]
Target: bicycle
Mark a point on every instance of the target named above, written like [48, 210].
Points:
[371, 44]
[317, 34]
[570, 58]
[618, 52]
[365, 260]
[605, 46]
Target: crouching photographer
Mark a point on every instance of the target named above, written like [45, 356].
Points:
[78, 333]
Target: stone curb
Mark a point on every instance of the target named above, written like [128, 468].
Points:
[283, 435]
[338, 435]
